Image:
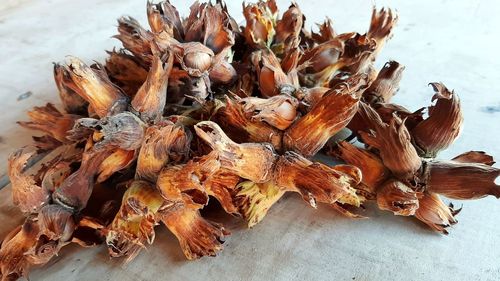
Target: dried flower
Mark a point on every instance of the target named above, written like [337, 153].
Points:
[433, 212]
[442, 126]
[398, 198]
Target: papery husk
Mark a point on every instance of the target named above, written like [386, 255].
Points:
[163, 16]
[136, 39]
[317, 182]
[387, 110]
[163, 144]
[385, 86]
[332, 113]
[14, 264]
[120, 159]
[151, 97]
[288, 29]
[397, 197]
[255, 199]
[278, 111]
[443, 125]
[76, 189]
[218, 34]
[222, 72]
[433, 212]
[311, 96]
[50, 121]
[197, 236]
[393, 141]
[382, 24]
[272, 79]
[28, 194]
[125, 71]
[71, 101]
[458, 180]
[93, 84]
[371, 166]
[252, 161]
[326, 32]
[133, 226]
[260, 19]
[241, 128]
[321, 63]
[479, 157]
[184, 184]
[221, 185]
[124, 130]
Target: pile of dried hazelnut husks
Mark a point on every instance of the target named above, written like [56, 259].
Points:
[200, 109]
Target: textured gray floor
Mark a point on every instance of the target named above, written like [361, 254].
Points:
[455, 42]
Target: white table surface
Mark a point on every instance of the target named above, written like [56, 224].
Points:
[455, 42]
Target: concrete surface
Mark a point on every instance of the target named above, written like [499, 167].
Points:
[455, 42]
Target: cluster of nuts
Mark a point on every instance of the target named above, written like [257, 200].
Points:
[199, 108]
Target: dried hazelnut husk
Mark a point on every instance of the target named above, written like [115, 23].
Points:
[321, 63]
[260, 20]
[222, 72]
[382, 23]
[164, 16]
[272, 79]
[288, 29]
[255, 199]
[397, 197]
[311, 96]
[442, 126]
[94, 85]
[371, 166]
[221, 185]
[71, 101]
[317, 182]
[50, 121]
[14, 264]
[242, 128]
[252, 161]
[278, 111]
[386, 84]
[124, 130]
[332, 113]
[125, 71]
[151, 97]
[135, 38]
[133, 226]
[458, 180]
[393, 141]
[164, 144]
[433, 212]
[117, 161]
[28, 194]
[479, 157]
[326, 32]
[197, 236]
